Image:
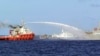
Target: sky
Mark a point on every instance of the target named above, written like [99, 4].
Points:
[83, 14]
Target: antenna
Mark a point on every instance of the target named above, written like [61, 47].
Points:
[98, 27]
[22, 23]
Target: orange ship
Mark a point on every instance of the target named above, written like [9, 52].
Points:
[19, 32]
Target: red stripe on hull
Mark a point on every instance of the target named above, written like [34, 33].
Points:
[18, 37]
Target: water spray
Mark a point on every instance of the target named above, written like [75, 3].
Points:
[75, 31]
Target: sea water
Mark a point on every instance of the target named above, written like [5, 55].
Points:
[50, 48]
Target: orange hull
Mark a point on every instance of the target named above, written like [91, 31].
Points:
[18, 37]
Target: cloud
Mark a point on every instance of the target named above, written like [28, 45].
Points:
[95, 5]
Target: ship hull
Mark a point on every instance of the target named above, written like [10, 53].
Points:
[18, 37]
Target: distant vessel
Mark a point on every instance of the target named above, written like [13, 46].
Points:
[18, 32]
[63, 35]
[96, 31]
[95, 34]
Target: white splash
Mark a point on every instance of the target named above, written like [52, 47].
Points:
[75, 31]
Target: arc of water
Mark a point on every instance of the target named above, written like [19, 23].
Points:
[71, 29]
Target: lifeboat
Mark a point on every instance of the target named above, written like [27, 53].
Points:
[18, 32]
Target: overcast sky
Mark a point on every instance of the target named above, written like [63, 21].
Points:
[84, 14]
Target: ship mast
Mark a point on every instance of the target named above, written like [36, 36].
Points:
[99, 26]
[22, 23]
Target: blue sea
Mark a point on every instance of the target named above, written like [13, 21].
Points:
[50, 48]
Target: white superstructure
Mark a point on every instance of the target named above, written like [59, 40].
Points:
[63, 35]
[96, 31]
[18, 30]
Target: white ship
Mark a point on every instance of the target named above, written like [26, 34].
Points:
[63, 35]
[96, 31]
[95, 34]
